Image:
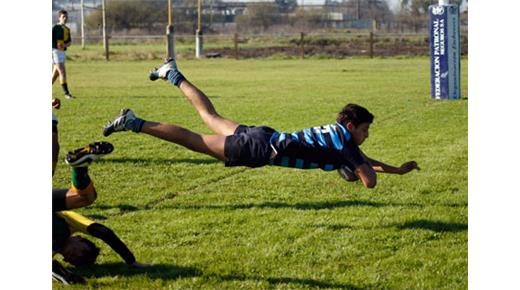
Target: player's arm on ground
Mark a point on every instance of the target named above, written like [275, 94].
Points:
[108, 236]
[382, 167]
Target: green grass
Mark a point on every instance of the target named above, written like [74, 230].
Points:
[210, 227]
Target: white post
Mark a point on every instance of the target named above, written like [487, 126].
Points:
[170, 33]
[198, 44]
[198, 34]
[82, 25]
[105, 34]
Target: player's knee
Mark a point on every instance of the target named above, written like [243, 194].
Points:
[88, 197]
[91, 197]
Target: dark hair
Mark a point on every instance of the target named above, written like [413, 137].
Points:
[355, 114]
[62, 11]
[78, 257]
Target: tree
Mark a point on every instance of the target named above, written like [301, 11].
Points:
[122, 15]
[314, 18]
[258, 17]
[370, 9]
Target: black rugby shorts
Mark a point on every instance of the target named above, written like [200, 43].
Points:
[249, 146]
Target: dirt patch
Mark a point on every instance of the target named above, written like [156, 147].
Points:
[381, 48]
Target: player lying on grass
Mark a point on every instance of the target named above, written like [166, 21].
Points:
[76, 249]
[329, 147]
[80, 251]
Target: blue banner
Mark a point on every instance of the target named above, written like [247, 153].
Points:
[444, 51]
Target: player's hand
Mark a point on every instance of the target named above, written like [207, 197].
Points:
[140, 265]
[56, 103]
[408, 166]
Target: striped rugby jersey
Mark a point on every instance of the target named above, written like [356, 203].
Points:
[327, 147]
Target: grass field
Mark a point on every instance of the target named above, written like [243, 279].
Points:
[210, 227]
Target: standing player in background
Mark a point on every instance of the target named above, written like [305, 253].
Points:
[60, 41]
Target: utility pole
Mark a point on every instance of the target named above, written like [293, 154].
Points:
[169, 33]
[358, 10]
[105, 35]
[210, 13]
[82, 25]
[198, 35]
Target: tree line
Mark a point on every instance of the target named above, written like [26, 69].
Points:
[151, 16]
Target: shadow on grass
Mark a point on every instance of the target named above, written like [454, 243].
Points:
[311, 283]
[277, 205]
[273, 281]
[434, 226]
[422, 205]
[142, 161]
[158, 271]
[172, 272]
[123, 208]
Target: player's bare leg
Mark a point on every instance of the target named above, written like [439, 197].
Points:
[60, 70]
[214, 121]
[212, 145]
[206, 110]
[55, 73]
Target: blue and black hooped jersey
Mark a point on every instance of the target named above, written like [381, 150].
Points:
[327, 147]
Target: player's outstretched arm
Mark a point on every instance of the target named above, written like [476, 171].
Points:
[382, 167]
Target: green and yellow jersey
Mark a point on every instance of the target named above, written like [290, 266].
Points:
[75, 221]
[60, 36]
[65, 223]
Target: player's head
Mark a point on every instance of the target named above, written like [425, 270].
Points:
[79, 251]
[63, 16]
[357, 120]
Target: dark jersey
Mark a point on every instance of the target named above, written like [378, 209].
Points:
[60, 34]
[328, 147]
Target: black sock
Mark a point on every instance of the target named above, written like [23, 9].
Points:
[65, 88]
[80, 178]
